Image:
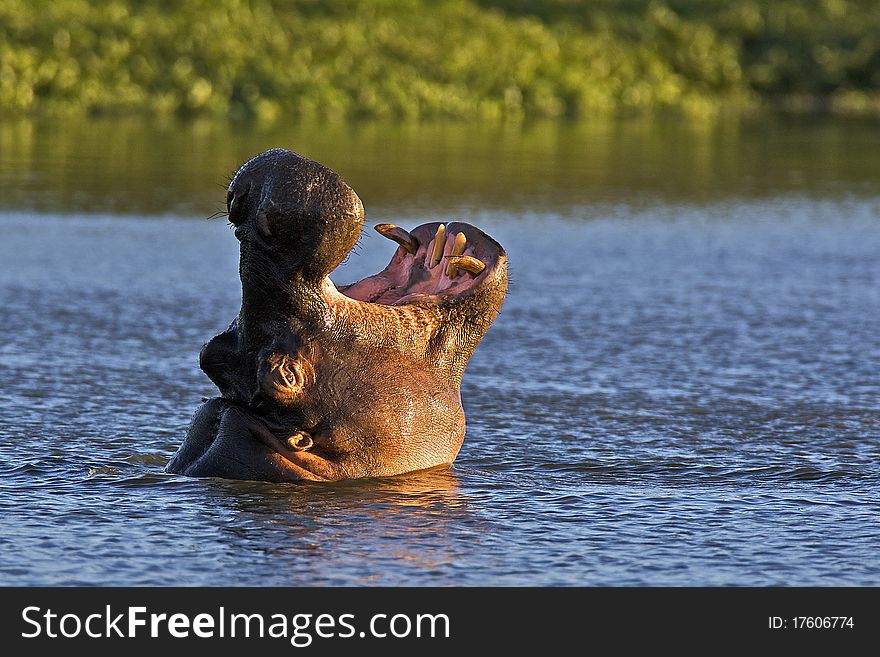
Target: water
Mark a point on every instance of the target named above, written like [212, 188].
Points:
[682, 387]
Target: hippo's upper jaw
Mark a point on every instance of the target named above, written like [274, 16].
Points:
[321, 383]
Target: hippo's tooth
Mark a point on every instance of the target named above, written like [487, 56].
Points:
[263, 223]
[399, 235]
[439, 244]
[300, 441]
[468, 263]
[457, 249]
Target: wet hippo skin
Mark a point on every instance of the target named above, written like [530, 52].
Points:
[324, 383]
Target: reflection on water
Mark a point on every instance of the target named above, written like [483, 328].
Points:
[417, 494]
[133, 166]
[681, 388]
[298, 526]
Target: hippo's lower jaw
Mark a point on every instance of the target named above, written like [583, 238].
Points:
[323, 383]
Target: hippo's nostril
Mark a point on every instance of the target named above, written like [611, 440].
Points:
[263, 223]
[235, 205]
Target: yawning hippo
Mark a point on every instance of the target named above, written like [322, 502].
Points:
[326, 383]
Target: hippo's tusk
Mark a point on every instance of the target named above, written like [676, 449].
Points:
[439, 244]
[399, 235]
[300, 441]
[457, 250]
[468, 263]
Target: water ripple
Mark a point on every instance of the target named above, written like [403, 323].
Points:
[692, 401]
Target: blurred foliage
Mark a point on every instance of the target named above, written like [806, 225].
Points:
[409, 59]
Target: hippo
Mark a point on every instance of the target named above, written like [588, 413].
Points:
[325, 383]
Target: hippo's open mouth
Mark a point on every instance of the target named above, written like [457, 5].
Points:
[433, 259]
[325, 383]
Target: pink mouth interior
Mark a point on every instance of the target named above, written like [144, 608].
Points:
[409, 277]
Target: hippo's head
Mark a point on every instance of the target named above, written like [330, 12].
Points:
[325, 383]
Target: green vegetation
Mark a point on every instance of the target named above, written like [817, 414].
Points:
[409, 59]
